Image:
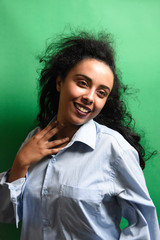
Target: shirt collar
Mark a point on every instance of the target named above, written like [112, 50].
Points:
[86, 134]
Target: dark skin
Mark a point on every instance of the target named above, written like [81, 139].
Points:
[36, 148]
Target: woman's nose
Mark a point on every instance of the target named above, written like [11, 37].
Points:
[88, 98]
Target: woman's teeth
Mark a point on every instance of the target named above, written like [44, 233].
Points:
[81, 109]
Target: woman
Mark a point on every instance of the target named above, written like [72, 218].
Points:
[75, 177]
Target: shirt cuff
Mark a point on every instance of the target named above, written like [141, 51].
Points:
[16, 183]
[15, 189]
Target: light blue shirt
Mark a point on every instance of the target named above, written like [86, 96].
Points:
[82, 192]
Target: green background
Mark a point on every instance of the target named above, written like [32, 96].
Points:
[24, 28]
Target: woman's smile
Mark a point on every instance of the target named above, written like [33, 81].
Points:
[82, 110]
[84, 91]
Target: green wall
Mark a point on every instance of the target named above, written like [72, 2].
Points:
[24, 28]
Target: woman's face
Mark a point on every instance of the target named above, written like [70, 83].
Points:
[84, 91]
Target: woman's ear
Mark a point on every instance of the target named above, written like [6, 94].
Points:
[58, 83]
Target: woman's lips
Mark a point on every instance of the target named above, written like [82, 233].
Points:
[82, 109]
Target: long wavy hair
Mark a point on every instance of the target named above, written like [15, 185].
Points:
[60, 57]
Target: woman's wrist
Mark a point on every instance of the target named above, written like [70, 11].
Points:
[18, 170]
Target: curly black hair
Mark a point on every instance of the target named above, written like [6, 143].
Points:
[60, 57]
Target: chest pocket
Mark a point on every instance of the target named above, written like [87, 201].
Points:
[89, 195]
[86, 201]
[77, 207]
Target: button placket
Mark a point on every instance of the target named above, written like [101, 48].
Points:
[47, 193]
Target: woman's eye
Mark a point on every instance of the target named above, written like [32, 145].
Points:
[102, 93]
[82, 83]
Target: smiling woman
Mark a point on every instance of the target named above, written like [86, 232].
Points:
[78, 173]
[83, 93]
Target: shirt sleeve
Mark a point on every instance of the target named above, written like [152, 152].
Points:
[134, 200]
[11, 194]
[10, 200]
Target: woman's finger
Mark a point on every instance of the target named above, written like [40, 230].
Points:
[38, 131]
[54, 150]
[56, 143]
[48, 128]
[53, 131]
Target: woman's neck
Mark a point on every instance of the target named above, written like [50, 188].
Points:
[67, 131]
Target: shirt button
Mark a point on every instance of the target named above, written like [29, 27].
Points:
[60, 190]
[45, 192]
[12, 188]
[46, 222]
[53, 160]
[13, 199]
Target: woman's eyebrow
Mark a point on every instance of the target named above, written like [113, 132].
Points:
[90, 80]
[84, 76]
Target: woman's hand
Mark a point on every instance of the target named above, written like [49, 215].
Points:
[39, 145]
[36, 148]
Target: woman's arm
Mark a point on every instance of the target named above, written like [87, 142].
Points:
[134, 200]
[36, 148]
[11, 183]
